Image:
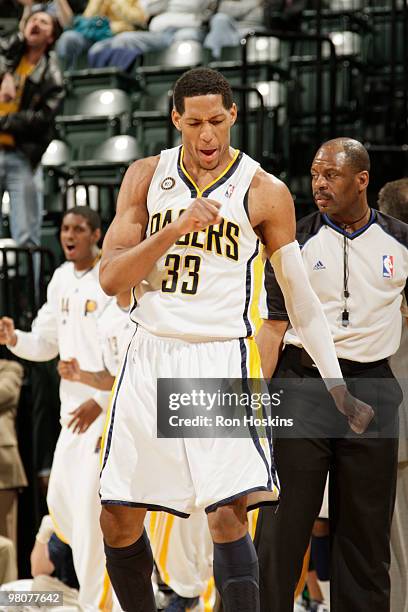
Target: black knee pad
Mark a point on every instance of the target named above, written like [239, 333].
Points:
[236, 575]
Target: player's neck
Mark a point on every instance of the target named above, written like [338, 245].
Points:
[123, 300]
[202, 176]
[88, 262]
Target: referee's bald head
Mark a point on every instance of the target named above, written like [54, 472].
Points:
[355, 153]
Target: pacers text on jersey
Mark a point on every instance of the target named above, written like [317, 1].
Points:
[222, 239]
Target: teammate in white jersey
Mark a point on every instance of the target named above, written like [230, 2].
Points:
[186, 235]
[182, 549]
[67, 325]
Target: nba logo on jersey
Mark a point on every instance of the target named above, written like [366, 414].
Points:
[388, 266]
[230, 190]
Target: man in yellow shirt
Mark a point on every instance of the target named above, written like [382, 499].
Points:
[31, 91]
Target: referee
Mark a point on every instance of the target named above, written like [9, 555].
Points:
[357, 262]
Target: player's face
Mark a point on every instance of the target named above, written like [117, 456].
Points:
[205, 129]
[78, 240]
[39, 30]
[336, 185]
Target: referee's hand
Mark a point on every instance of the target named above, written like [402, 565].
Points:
[358, 413]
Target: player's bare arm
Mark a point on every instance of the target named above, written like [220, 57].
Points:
[272, 215]
[69, 369]
[269, 340]
[127, 258]
[84, 416]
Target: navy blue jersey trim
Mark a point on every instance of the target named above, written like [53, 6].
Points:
[268, 431]
[153, 507]
[343, 232]
[184, 178]
[134, 304]
[109, 440]
[246, 204]
[248, 284]
[396, 229]
[228, 500]
[251, 428]
[224, 178]
[244, 370]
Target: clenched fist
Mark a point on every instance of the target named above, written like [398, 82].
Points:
[7, 331]
[201, 213]
[69, 369]
[358, 413]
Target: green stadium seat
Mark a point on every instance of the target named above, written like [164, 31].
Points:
[80, 83]
[101, 114]
[55, 162]
[95, 182]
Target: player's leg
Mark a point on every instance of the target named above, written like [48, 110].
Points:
[129, 558]
[74, 506]
[182, 550]
[236, 571]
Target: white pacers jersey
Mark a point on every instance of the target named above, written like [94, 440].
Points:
[115, 332]
[67, 325]
[207, 285]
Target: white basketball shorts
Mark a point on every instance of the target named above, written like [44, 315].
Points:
[185, 474]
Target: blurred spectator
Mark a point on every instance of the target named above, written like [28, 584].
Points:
[233, 20]
[8, 563]
[393, 200]
[12, 476]
[53, 7]
[51, 567]
[31, 92]
[52, 557]
[181, 20]
[100, 20]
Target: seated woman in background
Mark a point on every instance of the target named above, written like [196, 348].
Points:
[100, 20]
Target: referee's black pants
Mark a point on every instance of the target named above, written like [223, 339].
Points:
[361, 501]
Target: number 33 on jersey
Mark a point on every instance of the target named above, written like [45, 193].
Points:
[186, 289]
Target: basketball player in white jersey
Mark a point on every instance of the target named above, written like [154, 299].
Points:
[186, 236]
[67, 325]
[182, 549]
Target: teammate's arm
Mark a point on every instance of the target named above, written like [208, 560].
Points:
[84, 416]
[41, 344]
[127, 258]
[70, 370]
[272, 214]
[269, 340]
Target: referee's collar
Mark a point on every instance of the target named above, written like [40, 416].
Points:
[343, 232]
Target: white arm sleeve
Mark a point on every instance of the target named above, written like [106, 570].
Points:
[41, 344]
[305, 312]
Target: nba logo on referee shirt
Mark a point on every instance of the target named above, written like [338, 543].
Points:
[388, 266]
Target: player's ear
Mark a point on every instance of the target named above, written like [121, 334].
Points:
[175, 117]
[233, 113]
[97, 235]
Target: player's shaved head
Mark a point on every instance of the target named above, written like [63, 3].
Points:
[91, 216]
[356, 155]
[201, 82]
